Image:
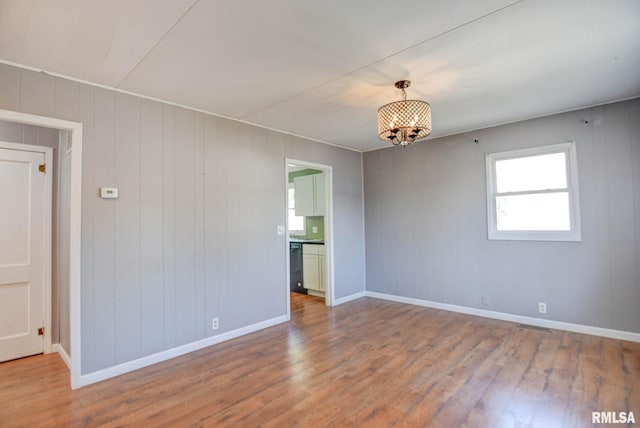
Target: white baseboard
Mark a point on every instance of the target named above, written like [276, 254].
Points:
[100, 375]
[348, 298]
[56, 347]
[520, 319]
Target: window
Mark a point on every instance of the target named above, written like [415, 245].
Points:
[296, 223]
[533, 194]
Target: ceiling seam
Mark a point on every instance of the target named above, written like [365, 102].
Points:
[429, 39]
[161, 38]
[171, 103]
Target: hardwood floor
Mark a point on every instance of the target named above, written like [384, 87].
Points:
[365, 363]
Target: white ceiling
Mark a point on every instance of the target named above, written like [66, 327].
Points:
[321, 69]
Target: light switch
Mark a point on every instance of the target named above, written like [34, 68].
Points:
[280, 230]
[109, 192]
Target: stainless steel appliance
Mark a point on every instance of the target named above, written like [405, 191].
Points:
[295, 268]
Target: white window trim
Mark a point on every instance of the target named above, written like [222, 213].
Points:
[575, 234]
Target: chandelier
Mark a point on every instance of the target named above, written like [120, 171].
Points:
[404, 122]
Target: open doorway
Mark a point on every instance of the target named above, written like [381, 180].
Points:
[309, 232]
[70, 137]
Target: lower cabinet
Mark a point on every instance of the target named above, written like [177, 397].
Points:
[323, 270]
[313, 267]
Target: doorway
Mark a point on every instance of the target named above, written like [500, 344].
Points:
[74, 148]
[309, 231]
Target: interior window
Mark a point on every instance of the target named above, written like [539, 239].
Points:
[296, 223]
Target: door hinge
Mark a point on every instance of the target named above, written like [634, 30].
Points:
[41, 331]
[42, 167]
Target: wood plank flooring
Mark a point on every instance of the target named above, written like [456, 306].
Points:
[365, 363]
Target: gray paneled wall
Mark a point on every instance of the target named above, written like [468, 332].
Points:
[193, 233]
[426, 223]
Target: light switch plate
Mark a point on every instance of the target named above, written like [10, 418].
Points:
[109, 192]
[280, 230]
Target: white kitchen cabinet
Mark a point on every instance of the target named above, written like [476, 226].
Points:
[313, 267]
[304, 195]
[309, 195]
[311, 271]
[318, 187]
[322, 267]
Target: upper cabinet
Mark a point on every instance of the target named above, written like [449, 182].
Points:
[309, 195]
[318, 186]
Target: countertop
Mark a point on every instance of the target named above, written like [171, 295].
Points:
[306, 241]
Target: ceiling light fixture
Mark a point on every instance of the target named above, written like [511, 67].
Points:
[404, 122]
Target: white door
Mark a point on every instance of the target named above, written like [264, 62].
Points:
[23, 201]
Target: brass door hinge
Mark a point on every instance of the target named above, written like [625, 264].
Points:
[41, 331]
[42, 167]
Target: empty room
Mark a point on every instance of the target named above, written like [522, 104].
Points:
[294, 213]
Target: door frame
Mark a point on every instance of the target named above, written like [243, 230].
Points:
[48, 215]
[329, 296]
[75, 229]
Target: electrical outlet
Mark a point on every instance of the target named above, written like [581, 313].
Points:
[485, 300]
[314, 229]
[215, 324]
[542, 307]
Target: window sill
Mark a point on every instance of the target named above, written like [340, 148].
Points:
[535, 236]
